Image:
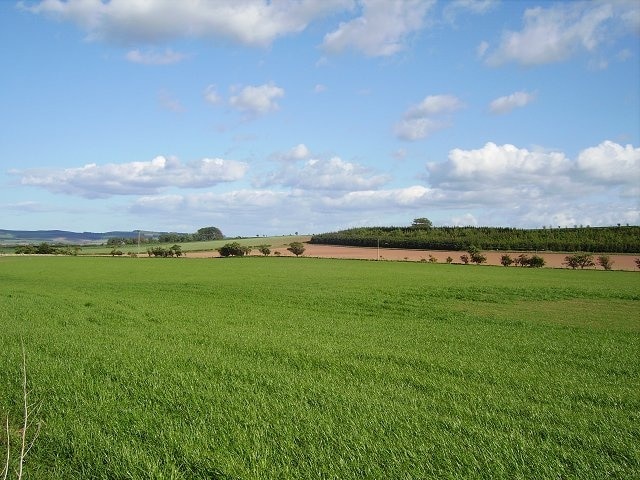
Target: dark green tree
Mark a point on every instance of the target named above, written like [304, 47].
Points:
[209, 233]
[297, 248]
[264, 250]
[233, 249]
[422, 223]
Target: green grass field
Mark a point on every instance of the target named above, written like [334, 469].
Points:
[301, 368]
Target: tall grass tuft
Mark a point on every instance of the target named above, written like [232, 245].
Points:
[29, 411]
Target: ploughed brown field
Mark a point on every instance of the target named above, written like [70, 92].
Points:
[553, 260]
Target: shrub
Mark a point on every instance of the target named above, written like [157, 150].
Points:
[579, 260]
[506, 260]
[521, 260]
[26, 249]
[605, 262]
[476, 255]
[464, 258]
[264, 250]
[233, 249]
[160, 252]
[297, 248]
[536, 261]
[449, 260]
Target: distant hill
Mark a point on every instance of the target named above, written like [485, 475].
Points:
[22, 237]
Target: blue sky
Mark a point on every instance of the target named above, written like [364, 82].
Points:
[309, 116]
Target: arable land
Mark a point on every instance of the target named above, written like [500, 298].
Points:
[552, 259]
[307, 368]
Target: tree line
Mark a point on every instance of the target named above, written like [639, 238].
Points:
[235, 249]
[202, 235]
[422, 235]
[45, 248]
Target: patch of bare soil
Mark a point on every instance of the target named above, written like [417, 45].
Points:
[553, 260]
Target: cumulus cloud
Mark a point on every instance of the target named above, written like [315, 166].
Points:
[152, 57]
[333, 174]
[257, 100]
[135, 178]
[556, 33]
[385, 199]
[381, 30]
[507, 103]
[211, 202]
[249, 22]
[498, 165]
[610, 162]
[427, 117]
[299, 152]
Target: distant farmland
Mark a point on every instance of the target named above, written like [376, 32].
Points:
[302, 368]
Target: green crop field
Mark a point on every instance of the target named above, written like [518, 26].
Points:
[300, 368]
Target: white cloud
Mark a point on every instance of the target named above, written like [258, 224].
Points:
[427, 117]
[151, 57]
[624, 55]
[465, 220]
[540, 187]
[491, 185]
[257, 100]
[320, 88]
[382, 29]
[333, 174]
[413, 129]
[210, 202]
[382, 200]
[135, 178]
[509, 102]
[169, 102]
[610, 162]
[294, 154]
[453, 8]
[211, 95]
[299, 152]
[249, 22]
[482, 48]
[556, 33]
[385, 200]
[498, 166]
[435, 105]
